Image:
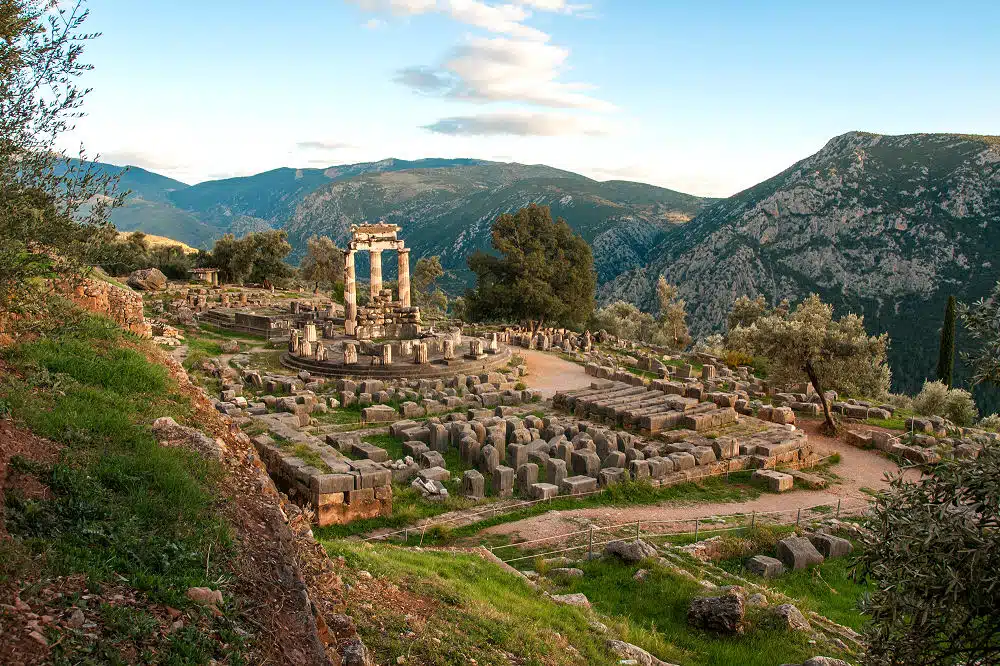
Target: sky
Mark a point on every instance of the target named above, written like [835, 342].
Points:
[706, 97]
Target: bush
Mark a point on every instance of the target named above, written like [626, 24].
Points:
[900, 401]
[991, 422]
[735, 359]
[956, 405]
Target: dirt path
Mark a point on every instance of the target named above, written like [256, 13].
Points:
[548, 373]
[857, 469]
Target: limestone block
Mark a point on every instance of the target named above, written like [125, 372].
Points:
[527, 476]
[798, 553]
[555, 471]
[585, 463]
[473, 484]
[577, 485]
[767, 567]
[831, 546]
[543, 491]
[681, 461]
[611, 475]
[503, 481]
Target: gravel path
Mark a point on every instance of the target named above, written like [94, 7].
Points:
[548, 373]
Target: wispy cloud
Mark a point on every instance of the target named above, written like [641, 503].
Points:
[373, 24]
[327, 146]
[127, 157]
[518, 124]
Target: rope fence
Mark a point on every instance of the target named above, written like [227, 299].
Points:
[635, 528]
[496, 510]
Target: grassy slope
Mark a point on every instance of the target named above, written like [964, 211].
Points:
[123, 508]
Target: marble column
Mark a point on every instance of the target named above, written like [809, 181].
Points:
[350, 295]
[403, 255]
[376, 277]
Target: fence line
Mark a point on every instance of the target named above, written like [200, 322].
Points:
[639, 532]
[496, 510]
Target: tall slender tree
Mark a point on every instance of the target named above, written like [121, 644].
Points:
[946, 354]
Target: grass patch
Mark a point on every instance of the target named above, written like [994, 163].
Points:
[653, 614]
[408, 507]
[470, 610]
[122, 505]
[828, 589]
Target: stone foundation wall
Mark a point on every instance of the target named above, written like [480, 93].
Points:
[122, 305]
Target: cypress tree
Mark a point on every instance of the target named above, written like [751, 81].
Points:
[946, 354]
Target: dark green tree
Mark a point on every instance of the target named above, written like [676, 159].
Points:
[323, 263]
[542, 272]
[946, 353]
[981, 321]
[932, 553]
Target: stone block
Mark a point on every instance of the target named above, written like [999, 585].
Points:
[681, 461]
[543, 491]
[527, 476]
[489, 459]
[586, 463]
[777, 482]
[609, 476]
[517, 455]
[703, 455]
[831, 546]
[725, 448]
[555, 471]
[638, 469]
[473, 484]
[767, 567]
[503, 481]
[798, 553]
[614, 459]
[434, 474]
[414, 449]
[331, 483]
[578, 485]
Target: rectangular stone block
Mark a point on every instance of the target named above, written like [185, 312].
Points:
[543, 491]
[331, 483]
[577, 485]
[503, 481]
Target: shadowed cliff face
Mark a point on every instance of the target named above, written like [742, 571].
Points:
[886, 226]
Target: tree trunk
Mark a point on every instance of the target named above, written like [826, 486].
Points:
[814, 380]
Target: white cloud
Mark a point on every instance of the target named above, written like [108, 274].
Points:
[501, 69]
[518, 124]
[324, 146]
[139, 158]
[505, 19]
[373, 24]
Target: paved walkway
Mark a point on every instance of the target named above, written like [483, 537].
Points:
[548, 373]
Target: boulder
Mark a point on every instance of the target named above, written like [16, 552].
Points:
[791, 618]
[767, 567]
[630, 551]
[721, 614]
[632, 654]
[147, 279]
[824, 661]
[798, 553]
[831, 546]
[576, 599]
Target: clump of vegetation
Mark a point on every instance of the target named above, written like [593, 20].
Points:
[542, 272]
[956, 405]
[668, 328]
[980, 322]
[323, 264]
[133, 251]
[991, 422]
[932, 552]
[808, 343]
[258, 257]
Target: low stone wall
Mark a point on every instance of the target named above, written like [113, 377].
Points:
[122, 305]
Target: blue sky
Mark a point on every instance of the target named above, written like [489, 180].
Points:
[703, 97]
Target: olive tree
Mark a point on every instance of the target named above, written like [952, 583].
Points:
[54, 211]
[323, 263]
[673, 315]
[932, 554]
[982, 324]
[808, 343]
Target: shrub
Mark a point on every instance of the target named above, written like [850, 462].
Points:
[900, 401]
[956, 405]
[734, 358]
[991, 422]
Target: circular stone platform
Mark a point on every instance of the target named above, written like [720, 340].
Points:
[334, 365]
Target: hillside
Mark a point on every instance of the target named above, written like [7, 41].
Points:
[449, 211]
[886, 226]
[446, 207]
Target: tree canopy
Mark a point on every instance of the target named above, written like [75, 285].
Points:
[424, 291]
[53, 210]
[809, 344]
[981, 321]
[256, 257]
[323, 263]
[932, 552]
[542, 272]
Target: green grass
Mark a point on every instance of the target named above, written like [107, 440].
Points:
[828, 589]
[653, 614]
[469, 609]
[122, 508]
[408, 506]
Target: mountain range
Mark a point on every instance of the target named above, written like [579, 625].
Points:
[445, 207]
[885, 226]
